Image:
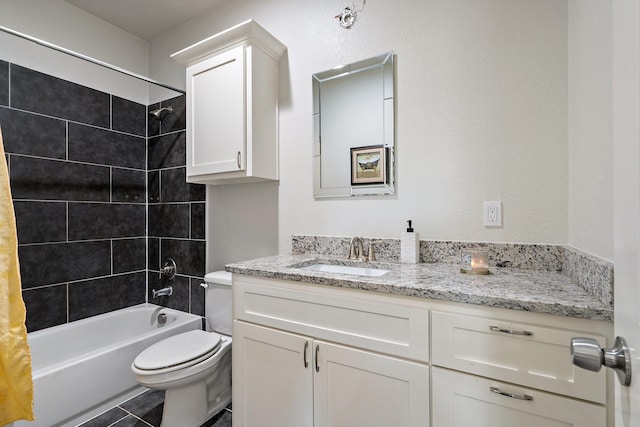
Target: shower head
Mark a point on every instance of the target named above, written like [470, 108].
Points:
[161, 113]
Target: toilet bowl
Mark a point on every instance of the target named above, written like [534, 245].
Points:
[194, 368]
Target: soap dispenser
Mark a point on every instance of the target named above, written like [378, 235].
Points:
[409, 246]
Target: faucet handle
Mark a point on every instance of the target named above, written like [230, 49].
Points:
[371, 256]
[352, 252]
[168, 269]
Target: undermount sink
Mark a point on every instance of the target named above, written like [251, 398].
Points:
[345, 269]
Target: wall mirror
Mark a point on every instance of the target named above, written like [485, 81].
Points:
[354, 136]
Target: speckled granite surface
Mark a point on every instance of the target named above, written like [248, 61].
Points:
[593, 274]
[533, 257]
[518, 289]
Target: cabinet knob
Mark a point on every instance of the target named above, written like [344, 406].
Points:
[586, 353]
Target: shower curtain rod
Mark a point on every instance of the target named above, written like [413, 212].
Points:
[88, 58]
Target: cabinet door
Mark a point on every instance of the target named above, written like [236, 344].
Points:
[216, 127]
[272, 387]
[462, 400]
[359, 388]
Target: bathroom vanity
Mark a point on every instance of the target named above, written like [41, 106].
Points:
[421, 345]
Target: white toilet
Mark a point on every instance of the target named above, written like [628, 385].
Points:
[193, 367]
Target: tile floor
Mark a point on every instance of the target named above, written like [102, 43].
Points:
[145, 410]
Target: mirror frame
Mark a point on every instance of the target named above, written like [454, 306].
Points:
[387, 139]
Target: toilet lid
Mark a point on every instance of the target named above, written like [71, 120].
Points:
[178, 349]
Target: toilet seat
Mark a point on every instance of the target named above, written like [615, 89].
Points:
[178, 351]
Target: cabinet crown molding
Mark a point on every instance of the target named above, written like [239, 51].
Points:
[248, 32]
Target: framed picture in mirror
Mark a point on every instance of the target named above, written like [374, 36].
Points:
[368, 165]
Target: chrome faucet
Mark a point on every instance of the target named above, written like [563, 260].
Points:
[356, 251]
[168, 291]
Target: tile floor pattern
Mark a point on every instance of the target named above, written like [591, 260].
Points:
[145, 410]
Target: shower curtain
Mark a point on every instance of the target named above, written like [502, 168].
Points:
[16, 384]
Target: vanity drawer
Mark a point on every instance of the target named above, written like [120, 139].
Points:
[461, 400]
[382, 323]
[526, 354]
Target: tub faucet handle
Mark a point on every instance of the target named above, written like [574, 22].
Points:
[168, 269]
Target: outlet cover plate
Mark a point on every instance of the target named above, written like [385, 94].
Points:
[492, 214]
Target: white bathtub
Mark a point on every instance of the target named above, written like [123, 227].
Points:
[83, 364]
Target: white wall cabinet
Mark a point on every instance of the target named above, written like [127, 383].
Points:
[232, 106]
[488, 366]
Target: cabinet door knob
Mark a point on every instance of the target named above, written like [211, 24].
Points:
[306, 347]
[239, 158]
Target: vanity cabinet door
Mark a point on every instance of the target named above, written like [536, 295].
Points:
[359, 388]
[216, 114]
[272, 378]
[463, 400]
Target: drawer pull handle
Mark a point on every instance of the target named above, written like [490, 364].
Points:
[509, 331]
[511, 395]
[317, 366]
[239, 160]
[306, 347]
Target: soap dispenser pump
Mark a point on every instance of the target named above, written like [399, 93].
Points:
[409, 246]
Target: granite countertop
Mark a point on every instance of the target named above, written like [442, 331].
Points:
[511, 288]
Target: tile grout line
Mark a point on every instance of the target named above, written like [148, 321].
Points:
[117, 421]
[133, 415]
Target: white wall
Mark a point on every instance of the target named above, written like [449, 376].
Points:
[482, 101]
[60, 23]
[496, 100]
[242, 223]
[590, 127]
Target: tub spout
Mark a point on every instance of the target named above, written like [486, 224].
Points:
[168, 291]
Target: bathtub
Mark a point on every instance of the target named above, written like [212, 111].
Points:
[83, 364]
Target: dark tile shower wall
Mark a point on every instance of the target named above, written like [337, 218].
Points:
[176, 211]
[78, 167]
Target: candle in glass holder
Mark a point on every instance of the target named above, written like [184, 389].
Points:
[479, 261]
[474, 261]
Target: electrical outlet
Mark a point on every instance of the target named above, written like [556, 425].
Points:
[492, 214]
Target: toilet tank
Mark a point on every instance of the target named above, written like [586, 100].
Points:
[218, 302]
